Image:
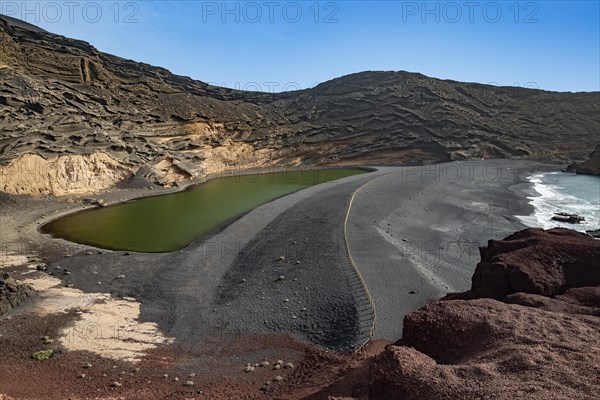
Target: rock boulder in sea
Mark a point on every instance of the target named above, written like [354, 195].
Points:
[568, 218]
[595, 233]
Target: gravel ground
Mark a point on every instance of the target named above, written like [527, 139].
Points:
[415, 233]
[295, 277]
[217, 366]
[192, 297]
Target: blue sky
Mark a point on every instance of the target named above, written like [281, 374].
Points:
[281, 45]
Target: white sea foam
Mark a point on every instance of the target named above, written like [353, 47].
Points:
[563, 192]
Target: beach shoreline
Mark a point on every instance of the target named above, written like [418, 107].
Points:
[429, 222]
[229, 283]
[560, 191]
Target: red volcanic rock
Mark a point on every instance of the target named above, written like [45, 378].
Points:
[538, 262]
[584, 300]
[480, 349]
[541, 342]
[583, 296]
[403, 373]
[341, 398]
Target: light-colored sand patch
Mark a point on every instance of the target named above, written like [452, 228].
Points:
[43, 284]
[32, 269]
[107, 326]
[12, 260]
[111, 329]
[59, 299]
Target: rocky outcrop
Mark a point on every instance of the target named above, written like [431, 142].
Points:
[13, 294]
[165, 173]
[31, 174]
[537, 261]
[589, 167]
[60, 96]
[568, 218]
[584, 300]
[542, 340]
[595, 233]
[483, 348]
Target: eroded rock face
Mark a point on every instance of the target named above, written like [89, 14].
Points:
[537, 261]
[591, 166]
[584, 300]
[31, 174]
[60, 96]
[13, 294]
[541, 342]
[166, 173]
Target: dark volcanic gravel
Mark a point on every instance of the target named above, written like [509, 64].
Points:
[295, 277]
[229, 282]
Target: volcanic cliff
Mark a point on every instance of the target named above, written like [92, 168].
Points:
[76, 120]
[590, 166]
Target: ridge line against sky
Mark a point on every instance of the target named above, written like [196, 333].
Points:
[289, 45]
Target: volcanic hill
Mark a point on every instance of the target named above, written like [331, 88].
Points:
[75, 120]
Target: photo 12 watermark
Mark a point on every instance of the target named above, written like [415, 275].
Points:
[263, 87]
[491, 91]
[518, 12]
[54, 12]
[270, 12]
[470, 171]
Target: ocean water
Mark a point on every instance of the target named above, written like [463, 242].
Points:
[564, 192]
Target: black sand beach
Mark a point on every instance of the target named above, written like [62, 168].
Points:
[413, 233]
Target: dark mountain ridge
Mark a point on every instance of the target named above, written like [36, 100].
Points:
[62, 97]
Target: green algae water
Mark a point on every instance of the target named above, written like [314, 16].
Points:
[170, 222]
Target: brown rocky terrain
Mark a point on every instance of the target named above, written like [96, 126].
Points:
[539, 339]
[537, 262]
[95, 119]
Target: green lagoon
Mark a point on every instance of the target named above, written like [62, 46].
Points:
[170, 222]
